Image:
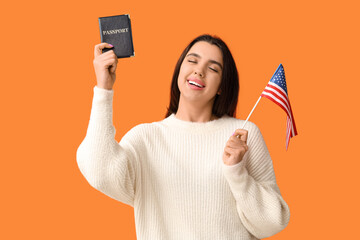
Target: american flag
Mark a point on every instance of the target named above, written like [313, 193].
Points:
[276, 91]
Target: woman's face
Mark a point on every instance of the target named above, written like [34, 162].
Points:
[202, 66]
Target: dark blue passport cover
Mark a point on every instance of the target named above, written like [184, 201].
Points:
[116, 30]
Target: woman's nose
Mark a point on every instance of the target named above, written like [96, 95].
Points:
[199, 69]
[198, 73]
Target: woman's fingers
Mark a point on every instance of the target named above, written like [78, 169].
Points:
[99, 47]
[107, 62]
[241, 134]
[112, 69]
[236, 147]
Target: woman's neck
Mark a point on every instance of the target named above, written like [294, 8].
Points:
[193, 113]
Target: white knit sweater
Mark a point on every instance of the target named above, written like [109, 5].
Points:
[173, 175]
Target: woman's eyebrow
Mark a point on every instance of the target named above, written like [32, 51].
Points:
[211, 61]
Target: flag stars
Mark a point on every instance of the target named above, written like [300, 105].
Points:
[279, 79]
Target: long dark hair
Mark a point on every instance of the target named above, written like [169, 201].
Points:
[226, 102]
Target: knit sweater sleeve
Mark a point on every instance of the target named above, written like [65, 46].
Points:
[107, 165]
[259, 203]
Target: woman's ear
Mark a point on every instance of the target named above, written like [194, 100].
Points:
[219, 92]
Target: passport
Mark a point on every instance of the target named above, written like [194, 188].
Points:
[116, 30]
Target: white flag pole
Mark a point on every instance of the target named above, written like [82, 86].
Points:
[251, 112]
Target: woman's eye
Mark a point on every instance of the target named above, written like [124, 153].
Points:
[213, 69]
[192, 61]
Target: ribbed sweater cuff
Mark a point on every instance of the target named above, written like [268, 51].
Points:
[102, 103]
[236, 175]
[101, 94]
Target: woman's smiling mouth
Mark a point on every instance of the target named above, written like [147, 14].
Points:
[195, 83]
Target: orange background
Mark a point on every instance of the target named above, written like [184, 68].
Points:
[46, 93]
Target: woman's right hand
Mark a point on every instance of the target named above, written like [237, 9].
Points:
[105, 66]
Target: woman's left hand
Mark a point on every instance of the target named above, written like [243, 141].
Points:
[236, 147]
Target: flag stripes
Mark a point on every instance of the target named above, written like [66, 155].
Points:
[276, 91]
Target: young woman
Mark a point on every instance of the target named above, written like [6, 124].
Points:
[194, 174]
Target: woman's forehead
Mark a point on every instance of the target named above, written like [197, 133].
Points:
[207, 51]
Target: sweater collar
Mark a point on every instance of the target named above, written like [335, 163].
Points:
[173, 121]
